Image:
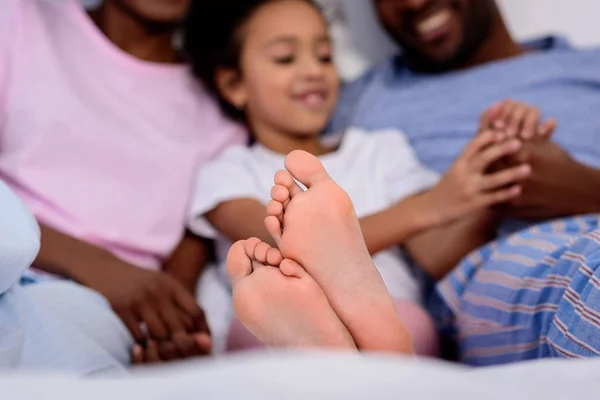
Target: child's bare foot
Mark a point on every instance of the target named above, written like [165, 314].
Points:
[319, 229]
[279, 302]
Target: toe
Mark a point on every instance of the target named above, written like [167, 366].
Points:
[284, 178]
[274, 257]
[273, 225]
[292, 268]
[260, 252]
[280, 193]
[238, 263]
[275, 208]
[250, 245]
[305, 167]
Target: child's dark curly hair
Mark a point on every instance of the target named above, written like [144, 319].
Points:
[214, 38]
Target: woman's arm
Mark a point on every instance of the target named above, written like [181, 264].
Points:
[71, 258]
[137, 295]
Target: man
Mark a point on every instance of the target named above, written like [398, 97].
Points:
[516, 298]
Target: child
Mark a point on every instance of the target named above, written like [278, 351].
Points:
[274, 72]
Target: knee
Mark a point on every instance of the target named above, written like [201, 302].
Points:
[84, 311]
[574, 330]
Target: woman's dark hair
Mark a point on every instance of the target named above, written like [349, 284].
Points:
[213, 40]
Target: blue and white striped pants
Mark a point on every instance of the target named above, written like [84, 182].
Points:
[533, 294]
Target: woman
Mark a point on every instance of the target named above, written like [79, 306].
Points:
[101, 131]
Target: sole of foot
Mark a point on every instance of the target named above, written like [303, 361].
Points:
[319, 229]
[278, 301]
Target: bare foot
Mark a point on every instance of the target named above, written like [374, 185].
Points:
[319, 229]
[279, 302]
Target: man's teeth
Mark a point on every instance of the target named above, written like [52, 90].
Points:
[434, 22]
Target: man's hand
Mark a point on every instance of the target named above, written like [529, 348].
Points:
[558, 185]
[516, 119]
[167, 310]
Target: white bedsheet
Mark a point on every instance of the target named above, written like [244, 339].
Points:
[324, 376]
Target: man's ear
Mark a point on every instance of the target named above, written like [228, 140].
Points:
[231, 87]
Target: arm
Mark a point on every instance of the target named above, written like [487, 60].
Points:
[438, 250]
[240, 219]
[559, 185]
[454, 207]
[583, 183]
[71, 258]
[136, 295]
[244, 218]
[396, 224]
[188, 261]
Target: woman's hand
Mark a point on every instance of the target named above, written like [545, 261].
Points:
[154, 306]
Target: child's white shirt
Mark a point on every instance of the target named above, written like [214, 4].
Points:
[376, 169]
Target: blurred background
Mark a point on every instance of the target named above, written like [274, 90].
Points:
[355, 29]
